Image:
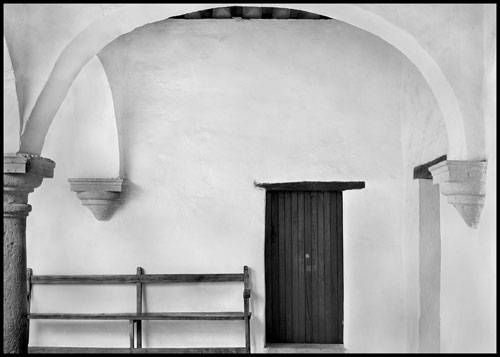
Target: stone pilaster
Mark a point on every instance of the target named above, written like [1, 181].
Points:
[463, 182]
[22, 174]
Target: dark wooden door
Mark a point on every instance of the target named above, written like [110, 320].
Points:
[304, 267]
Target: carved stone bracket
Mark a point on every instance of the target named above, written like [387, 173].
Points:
[463, 182]
[101, 196]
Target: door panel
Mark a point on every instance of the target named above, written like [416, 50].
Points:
[303, 262]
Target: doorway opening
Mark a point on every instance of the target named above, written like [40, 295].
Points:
[304, 262]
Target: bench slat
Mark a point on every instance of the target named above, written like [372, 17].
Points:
[135, 350]
[134, 279]
[233, 315]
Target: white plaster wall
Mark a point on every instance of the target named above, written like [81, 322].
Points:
[468, 262]
[468, 317]
[11, 122]
[424, 138]
[452, 34]
[205, 108]
[63, 236]
[36, 35]
[89, 110]
[468, 295]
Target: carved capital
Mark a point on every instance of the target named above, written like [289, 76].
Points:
[101, 196]
[22, 173]
[463, 182]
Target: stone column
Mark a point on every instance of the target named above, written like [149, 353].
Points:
[22, 174]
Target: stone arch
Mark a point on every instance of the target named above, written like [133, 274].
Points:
[93, 39]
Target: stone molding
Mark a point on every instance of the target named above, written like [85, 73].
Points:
[463, 182]
[22, 173]
[101, 196]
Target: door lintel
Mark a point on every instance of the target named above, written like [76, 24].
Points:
[312, 186]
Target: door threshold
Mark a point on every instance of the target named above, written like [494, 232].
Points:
[304, 348]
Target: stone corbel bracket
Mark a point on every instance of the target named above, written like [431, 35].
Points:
[101, 196]
[463, 182]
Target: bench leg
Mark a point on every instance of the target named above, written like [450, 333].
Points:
[131, 333]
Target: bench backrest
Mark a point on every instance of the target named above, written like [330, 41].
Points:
[139, 280]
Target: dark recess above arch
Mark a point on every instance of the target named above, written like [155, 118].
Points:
[251, 12]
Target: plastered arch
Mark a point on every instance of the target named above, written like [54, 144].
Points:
[11, 119]
[95, 37]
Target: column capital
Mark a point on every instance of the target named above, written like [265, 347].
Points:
[463, 182]
[28, 164]
[22, 173]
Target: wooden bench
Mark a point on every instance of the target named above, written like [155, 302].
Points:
[135, 318]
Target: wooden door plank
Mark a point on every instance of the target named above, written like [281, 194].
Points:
[301, 271]
[321, 269]
[275, 266]
[340, 268]
[288, 267]
[268, 267]
[295, 269]
[314, 257]
[282, 267]
[328, 270]
[308, 267]
[334, 258]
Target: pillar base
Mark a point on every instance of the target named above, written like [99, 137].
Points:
[101, 196]
[463, 182]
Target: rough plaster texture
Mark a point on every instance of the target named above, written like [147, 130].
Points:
[204, 109]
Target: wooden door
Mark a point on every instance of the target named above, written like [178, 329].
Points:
[304, 267]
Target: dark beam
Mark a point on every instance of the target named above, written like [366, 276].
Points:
[206, 14]
[281, 13]
[252, 12]
[267, 12]
[193, 15]
[312, 186]
[308, 15]
[222, 13]
[422, 171]
[294, 14]
[236, 11]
